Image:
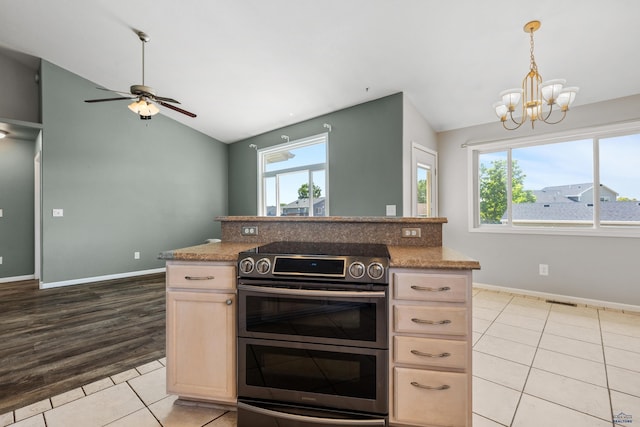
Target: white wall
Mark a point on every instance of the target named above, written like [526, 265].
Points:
[415, 129]
[599, 268]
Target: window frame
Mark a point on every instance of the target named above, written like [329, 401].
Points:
[475, 148]
[311, 168]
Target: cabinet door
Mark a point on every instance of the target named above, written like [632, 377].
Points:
[430, 352]
[201, 276]
[201, 350]
[431, 398]
[430, 320]
[430, 287]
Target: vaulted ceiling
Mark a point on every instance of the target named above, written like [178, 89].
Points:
[249, 66]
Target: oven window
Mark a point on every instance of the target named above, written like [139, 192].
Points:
[312, 317]
[311, 371]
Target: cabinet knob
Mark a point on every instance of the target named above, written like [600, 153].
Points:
[229, 301]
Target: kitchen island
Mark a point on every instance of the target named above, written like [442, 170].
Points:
[429, 311]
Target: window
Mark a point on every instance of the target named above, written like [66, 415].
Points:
[293, 178]
[567, 183]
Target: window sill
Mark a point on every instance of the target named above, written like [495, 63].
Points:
[629, 232]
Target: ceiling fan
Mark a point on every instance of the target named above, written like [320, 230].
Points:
[145, 96]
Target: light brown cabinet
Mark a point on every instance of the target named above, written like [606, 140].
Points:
[201, 331]
[430, 342]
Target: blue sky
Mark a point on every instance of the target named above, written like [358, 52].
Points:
[572, 163]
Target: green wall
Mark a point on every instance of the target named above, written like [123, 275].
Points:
[365, 159]
[125, 184]
[17, 203]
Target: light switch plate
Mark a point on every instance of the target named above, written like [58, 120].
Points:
[58, 212]
[1, 213]
[391, 210]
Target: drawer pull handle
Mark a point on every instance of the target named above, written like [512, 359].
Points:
[428, 387]
[429, 289]
[419, 353]
[431, 322]
[199, 277]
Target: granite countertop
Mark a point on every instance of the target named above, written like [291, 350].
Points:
[335, 219]
[401, 256]
[438, 257]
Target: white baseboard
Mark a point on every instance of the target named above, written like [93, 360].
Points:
[561, 298]
[17, 278]
[100, 278]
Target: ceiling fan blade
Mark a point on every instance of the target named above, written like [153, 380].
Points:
[179, 110]
[108, 99]
[160, 98]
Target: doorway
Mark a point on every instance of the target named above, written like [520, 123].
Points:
[424, 182]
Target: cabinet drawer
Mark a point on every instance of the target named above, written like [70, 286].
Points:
[430, 320]
[430, 287]
[201, 276]
[430, 352]
[432, 398]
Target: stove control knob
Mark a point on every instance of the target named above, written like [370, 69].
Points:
[263, 266]
[357, 269]
[246, 265]
[375, 270]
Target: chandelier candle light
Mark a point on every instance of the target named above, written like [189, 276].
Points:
[539, 99]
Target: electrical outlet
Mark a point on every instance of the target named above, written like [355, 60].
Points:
[249, 230]
[411, 232]
[543, 269]
[136, 255]
[57, 212]
[0, 260]
[1, 213]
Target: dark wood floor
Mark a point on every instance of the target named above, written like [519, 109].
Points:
[55, 340]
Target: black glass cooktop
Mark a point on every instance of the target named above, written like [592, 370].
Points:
[373, 250]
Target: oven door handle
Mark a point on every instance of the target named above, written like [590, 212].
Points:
[309, 420]
[313, 292]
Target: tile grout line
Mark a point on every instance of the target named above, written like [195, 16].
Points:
[556, 403]
[530, 367]
[606, 371]
[482, 335]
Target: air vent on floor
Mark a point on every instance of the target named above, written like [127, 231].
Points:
[561, 303]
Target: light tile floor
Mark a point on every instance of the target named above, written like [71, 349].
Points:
[535, 364]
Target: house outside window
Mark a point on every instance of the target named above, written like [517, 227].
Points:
[570, 183]
[293, 178]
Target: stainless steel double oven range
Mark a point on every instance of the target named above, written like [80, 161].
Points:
[313, 335]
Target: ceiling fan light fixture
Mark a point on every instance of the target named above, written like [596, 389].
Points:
[535, 94]
[144, 109]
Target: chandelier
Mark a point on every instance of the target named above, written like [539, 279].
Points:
[539, 99]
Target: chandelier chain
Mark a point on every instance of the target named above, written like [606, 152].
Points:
[533, 66]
